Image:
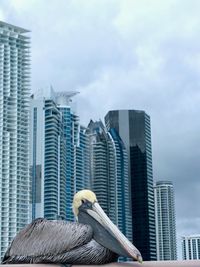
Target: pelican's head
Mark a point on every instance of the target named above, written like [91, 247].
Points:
[81, 197]
[88, 211]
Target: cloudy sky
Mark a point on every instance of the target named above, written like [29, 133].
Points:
[127, 54]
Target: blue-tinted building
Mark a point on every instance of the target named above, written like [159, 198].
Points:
[55, 170]
[109, 174]
[82, 162]
[59, 156]
[119, 164]
[48, 160]
[133, 126]
[77, 150]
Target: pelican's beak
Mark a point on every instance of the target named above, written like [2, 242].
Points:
[106, 233]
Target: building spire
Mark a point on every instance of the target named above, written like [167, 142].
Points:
[62, 98]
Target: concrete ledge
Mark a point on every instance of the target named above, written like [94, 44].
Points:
[191, 263]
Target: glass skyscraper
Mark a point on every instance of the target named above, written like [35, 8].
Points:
[37, 139]
[14, 131]
[82, 173]
[77, 149]
[54, 163]
[109, 174]
[48, 160]
[59, 156]
[118, 171]
[165, 221]
[99, 163]
[133, 126]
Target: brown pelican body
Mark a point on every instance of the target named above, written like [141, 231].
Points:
[73, 243]
[92, 240]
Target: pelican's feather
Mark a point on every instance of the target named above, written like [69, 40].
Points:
[46, 238]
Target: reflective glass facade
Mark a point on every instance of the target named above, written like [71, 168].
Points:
[109, 174]
[59, 156]
[54, 163]
[47, 159]
[14, 132]
[37, 137]
[69, 122]
[77, 152]
[133, 127]
[118, 160]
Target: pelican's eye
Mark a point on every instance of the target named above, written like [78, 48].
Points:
[85, 204]
[83, 201]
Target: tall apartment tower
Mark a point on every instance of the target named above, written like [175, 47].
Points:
[59, 156]
[165, 221]
[77, 148]
[133, 127]
[191, 247]
[14, 131]
[47, 158]
[109, 174]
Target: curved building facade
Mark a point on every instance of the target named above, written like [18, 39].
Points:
[119, 167]
[109, 175]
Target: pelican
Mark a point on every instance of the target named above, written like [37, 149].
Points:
[94, 239]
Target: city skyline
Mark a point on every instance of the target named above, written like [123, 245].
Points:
[125, 59]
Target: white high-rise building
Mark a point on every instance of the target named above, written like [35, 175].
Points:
[165, 221]
[191, 247]
[14, 131]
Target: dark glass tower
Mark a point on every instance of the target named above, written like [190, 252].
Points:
[134, 129]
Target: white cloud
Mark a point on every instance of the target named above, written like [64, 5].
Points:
[1, 15]
[23, 5]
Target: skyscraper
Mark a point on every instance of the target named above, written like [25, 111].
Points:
[165, 221]
[191, 247]
[14, 131]
[77, 148]
[48, 160]
[37, 138]
[59, 156]
[99, 163]
[82, 162]
[109, 174]
[133, 127]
